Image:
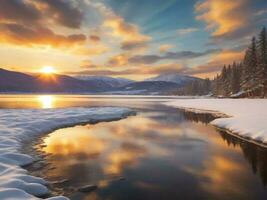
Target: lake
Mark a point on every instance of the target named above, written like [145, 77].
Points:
[161, 153]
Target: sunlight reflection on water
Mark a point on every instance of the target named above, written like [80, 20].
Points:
[160, 153]
[46, 101]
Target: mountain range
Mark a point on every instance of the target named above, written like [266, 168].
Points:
[17, 82]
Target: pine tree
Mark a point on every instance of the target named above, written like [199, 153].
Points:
[216, 86]
[250, 75]
[262, 59]
[206, 86]
[250, 66]
[235, 79]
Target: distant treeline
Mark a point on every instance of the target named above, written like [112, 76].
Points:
[247, 78]
[197, 87]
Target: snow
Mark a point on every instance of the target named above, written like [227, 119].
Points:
[20, 125]
[127, 92]
[246, 117]
[173, 77]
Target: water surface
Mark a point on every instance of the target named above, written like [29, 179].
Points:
[162, 153]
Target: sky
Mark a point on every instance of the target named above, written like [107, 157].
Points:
[133, 39]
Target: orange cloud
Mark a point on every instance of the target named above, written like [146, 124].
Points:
[25, 23]
[87, 64]
[94, 38]
[126, 31]
[119, 60]
[165, 47]
[216, 63]
[129, 33]
[142, 71]
[89, 51]
[18, 34]
[222, 17]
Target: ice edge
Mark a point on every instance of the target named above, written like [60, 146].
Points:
[19, 125]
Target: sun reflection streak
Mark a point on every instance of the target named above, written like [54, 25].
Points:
[47, 101]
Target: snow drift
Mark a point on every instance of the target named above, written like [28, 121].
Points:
[19, 125]
[247, 117]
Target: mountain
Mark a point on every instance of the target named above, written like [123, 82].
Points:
[11, 81]
[112, 82]
[16, 81]
[63, 83]
[174, 78]
[147, 87]
[162, 84]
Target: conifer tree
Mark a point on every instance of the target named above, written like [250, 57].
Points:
[250, 66]
[262, 59]
[235, 79]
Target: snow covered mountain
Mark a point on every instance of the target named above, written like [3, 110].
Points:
[174, 78]
[112, 82]
[11, 81]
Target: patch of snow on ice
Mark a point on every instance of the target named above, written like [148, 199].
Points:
[19, 125]
[247, 117]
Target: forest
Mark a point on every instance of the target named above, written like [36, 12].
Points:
[247, 78]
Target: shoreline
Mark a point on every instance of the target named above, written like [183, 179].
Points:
[20, 126]
[33, 148]
[217, 114]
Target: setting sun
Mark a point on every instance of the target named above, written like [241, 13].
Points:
[48, 70]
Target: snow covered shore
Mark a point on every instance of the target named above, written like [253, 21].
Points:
[18, 125]
[247, 117]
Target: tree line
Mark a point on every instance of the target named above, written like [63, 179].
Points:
[197, 87]
[247, 78]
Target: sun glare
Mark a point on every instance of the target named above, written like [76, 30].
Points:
[46, 101]
[48, 70]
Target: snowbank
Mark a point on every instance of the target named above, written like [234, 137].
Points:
[247, 117]
[18, 125]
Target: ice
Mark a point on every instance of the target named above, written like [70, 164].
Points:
[20, 125]
[246, 117]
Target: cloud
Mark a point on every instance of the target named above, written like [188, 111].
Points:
[38, 36]
[185, 31]
[261, 12]
[134, 45]
[89, 51]
[210, 69]
[63, 12]
[94, 38]
[234, 20]
[189, 54]
[145, 59]
[31, 13]
[165, 47]
[118, 60]
[25, 22]
[124, 30]
[129, 34]
[150, 59]
[88, 64]
[222, 17]
[131, 37]
[20, 11]
[145, 70]
[216, 63]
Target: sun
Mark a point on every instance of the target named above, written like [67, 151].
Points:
[48, 70]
